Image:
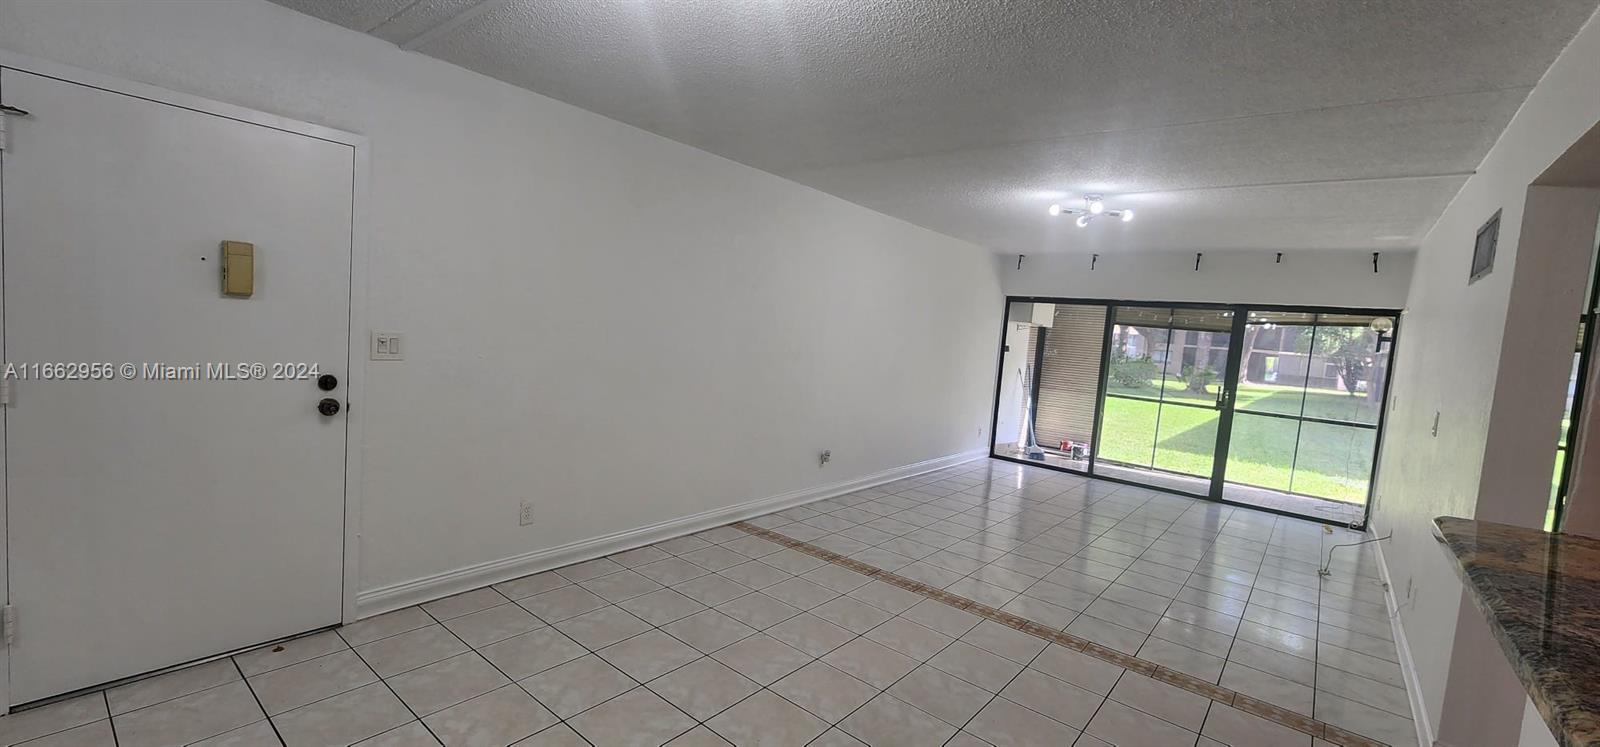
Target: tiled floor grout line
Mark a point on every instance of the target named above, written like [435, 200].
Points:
[115, 741]
[264, 715]
[512, 682]
[1234, 641]
[1260, 564]
[818, 659]
[996, 695]
[1142, 510]
[1316, 668]
[768, 688]
[653, 627]
[386, 685]
[1281, 716]
[885, 690]
[1210, 544]
[1264, 551]
[1172, 601]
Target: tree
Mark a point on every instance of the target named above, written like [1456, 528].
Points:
[1198, 377]
[1348, 348]
[1250, 333]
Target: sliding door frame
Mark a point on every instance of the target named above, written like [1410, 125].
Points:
[1229, 391]
[1229, 397]
[1160, 400]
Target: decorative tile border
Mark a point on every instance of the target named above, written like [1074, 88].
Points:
[1282, 716]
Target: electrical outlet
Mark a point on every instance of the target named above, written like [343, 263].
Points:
[827, 456]
[525, 516]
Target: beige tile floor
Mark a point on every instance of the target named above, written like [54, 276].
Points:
[727, 638]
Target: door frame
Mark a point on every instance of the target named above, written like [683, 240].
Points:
[1235, 356]
[355, 344]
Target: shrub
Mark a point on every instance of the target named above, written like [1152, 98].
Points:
[1134, 373]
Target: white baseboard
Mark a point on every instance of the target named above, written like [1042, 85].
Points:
[1408, 668]
[428, 588]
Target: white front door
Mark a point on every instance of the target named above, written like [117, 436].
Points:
[153, 522]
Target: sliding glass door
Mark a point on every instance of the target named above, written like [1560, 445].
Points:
[1163, 395]
[1307, 403]
[1278, 408]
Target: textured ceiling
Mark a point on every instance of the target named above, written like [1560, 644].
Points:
[1279, 124]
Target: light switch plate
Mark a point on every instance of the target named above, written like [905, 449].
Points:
[388, 346]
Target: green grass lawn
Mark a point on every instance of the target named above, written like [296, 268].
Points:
[1281, 399]
[1333, 461]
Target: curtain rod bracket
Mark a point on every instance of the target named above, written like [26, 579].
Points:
[1019, 260]
[1197, 256]
[1093, 260]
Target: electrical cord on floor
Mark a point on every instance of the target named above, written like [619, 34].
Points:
[1328, 563]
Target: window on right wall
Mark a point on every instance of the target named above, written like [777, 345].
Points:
[1576, 379]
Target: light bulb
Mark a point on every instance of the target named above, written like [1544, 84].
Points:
[1096, 207]
[1127, 215]
[1083, 220]
[1055, 209]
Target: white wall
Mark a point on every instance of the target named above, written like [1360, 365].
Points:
[1449, 360]
[1534, 731]
[564, 281]
[1238, 276]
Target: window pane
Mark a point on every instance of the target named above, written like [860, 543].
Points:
[1192, 373]
[1272, 378]
[1069, 384]
[1050, 382]
[1561, 439]
[1334, 461]
[1138, 358]
[1013, 411]
[1347, 376]
[1128, 433]
[1261, 450]
[1187, 440]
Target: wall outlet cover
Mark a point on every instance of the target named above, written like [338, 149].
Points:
[525, 515]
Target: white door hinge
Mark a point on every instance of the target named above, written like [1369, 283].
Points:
[8, 619]
[5, 391]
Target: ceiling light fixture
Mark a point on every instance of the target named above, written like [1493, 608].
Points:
[1093, 207]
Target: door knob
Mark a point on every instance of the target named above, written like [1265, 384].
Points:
[327, 382]
[328, 406]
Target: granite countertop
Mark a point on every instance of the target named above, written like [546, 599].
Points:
[1541, 594]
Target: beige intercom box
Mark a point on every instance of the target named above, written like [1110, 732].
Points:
[238, 269]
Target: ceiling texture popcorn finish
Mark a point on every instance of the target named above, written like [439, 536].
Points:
[1332, 125]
